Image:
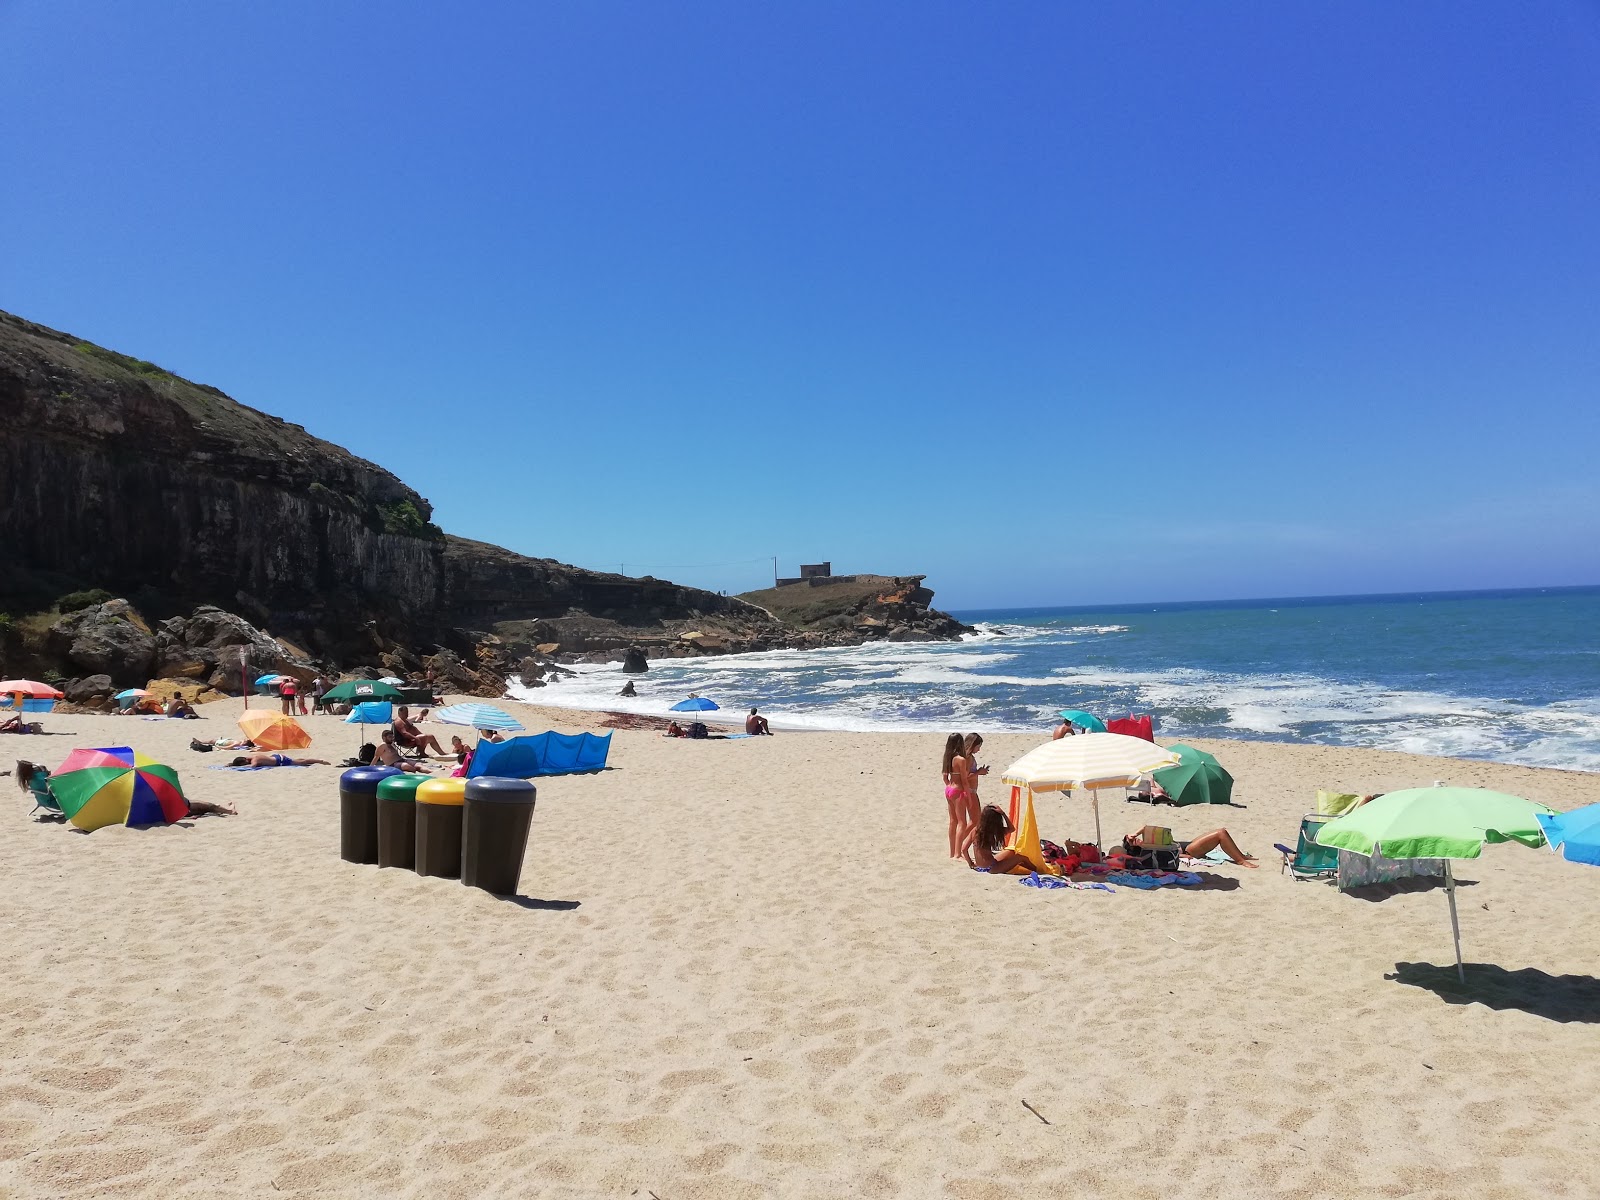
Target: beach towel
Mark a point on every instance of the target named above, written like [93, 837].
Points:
[1026, 842]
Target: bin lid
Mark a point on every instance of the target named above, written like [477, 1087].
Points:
[365, 779]
[442, 791]
[495, 789]
[401, 787]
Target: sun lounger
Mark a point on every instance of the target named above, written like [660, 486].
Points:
[1309, 860]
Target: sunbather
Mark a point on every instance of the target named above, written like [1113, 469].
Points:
[756, 725]
[408, 735]
[460, 749]
[986, 847]
[1203, 845]
[204, 808]
[674, 730]
[389, 755]
[265, 758]
[179, 707]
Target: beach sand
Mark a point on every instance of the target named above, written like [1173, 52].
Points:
[746, 968]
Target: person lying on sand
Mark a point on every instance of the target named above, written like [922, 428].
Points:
[409, 736]
[265, 758]
[986, 847]
[1201, 846]
[204, 808]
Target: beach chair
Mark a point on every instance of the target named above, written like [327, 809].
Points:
[44, 799]
[1308, 860]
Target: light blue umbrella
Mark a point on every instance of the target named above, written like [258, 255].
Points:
[266, 679]
[477, 716]
[370, 712]
[1576, 833]
[131, 694]
[694, 704]
[1083, 720]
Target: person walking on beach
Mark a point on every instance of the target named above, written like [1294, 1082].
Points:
[287, 691]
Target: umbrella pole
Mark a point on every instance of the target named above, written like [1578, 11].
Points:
[1095, 792]
[1455, 923]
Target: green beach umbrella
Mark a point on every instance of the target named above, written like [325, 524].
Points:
[1197, 779]
[356, 690]
[1437, 822]
[1083, 720]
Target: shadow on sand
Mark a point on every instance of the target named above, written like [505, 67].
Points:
[1374, 892]
[544, 905]
[1554, 997]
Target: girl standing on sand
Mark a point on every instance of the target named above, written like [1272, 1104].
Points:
[965, 764]
[955, 790]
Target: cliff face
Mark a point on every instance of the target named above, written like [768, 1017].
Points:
[117, 474]
[114, 473]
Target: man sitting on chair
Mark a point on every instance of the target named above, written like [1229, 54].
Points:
[409, 736]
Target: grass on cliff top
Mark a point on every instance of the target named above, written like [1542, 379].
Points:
[803, 606]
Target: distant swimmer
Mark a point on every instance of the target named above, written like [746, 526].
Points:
[628, 689]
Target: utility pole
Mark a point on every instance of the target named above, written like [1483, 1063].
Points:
[774, 570]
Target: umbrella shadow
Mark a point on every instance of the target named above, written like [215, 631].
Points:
[1213, 883]
[1564, 998]
[1375, 893]
[533, 902]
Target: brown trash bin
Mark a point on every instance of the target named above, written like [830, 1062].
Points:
[439, 804]
[358, 812]
[397, 820]
[494, 834]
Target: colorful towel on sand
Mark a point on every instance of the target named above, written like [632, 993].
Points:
[1052, 882]
[1155, 879]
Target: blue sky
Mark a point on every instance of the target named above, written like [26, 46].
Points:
[1053, 303]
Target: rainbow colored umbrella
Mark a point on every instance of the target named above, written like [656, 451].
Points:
[115, 785]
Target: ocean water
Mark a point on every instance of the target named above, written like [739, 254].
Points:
[1511, 676]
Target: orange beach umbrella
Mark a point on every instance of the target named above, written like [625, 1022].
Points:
[274, 731]
[27, 689]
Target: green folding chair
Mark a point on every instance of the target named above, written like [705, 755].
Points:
[1308, 860]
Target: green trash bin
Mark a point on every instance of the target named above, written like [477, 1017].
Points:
[397, 820]
[358, 812]
[494, 832]
[439, 827]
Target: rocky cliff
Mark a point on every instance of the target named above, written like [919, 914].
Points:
[120, 479]
[857, 608]
[117, 474]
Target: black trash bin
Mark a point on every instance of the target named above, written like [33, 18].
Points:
[439, 827]
[397, 820]
[358, 812]
[494, 833]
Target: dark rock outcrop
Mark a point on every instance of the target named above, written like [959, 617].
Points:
[634, 661]
[205, 646]
[87, 689]
[108, 639]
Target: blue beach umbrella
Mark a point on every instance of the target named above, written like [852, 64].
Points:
[477, 716]
[372, 712]
[1574, 835]
[1083, 720]
[266, 679]
[694, 704]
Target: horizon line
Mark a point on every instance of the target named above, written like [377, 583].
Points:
[1454, 593]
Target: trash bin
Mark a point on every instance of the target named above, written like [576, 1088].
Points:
[358, 812]
[494, 834]
[397, 820]
[439, 827]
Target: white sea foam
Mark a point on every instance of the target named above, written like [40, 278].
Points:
[916, 685]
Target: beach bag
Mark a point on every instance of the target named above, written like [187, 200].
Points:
[697, 729]
[203, 747]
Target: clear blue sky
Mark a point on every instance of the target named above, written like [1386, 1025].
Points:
[1054, 303]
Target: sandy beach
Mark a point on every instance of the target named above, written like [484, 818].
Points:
[746, 968]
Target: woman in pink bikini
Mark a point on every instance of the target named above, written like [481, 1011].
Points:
[967, 761]
[955, 791]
